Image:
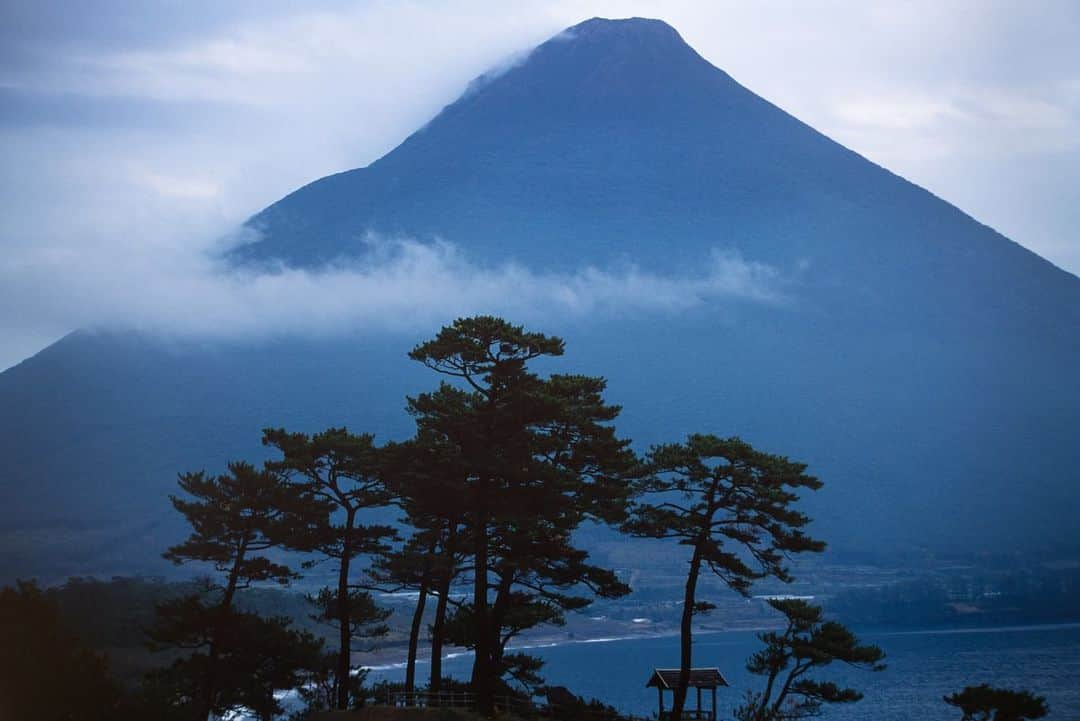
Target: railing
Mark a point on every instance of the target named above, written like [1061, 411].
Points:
[456, 699]
[467, 700]
[426, 699]
[691, 714]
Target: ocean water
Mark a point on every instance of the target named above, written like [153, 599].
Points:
[923, 666]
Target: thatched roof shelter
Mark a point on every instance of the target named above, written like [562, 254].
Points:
[666, 679]
[699, 678]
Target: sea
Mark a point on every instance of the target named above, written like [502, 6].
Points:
[922, 667]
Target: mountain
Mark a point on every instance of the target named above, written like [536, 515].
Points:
[923, 364]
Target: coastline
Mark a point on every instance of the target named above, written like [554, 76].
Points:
[393, 658]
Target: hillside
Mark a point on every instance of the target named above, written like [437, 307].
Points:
[923, 364]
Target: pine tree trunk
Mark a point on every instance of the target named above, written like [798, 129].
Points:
[498, 613]
[414, 637]
[435, 685]
[344, 619]
[209, 690]
[686, 641]
[482, 671]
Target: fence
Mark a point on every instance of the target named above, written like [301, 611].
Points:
[692, 714]
[466, 700]
[459, 699]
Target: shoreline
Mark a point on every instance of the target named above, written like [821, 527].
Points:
[398, 661]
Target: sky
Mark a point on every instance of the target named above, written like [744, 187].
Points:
[136, 137]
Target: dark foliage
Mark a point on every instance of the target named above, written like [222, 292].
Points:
[987, 703]
[235, 517]
[534, 457]
[733, 506]
[322, 687]
[805, 646]
[252, 658]
[341, 475]
[426, 477]
[563, 705]
[45, 672]
[232, 659]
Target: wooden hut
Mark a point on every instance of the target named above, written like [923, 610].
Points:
[666, 679]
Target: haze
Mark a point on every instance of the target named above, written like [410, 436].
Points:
[134, 139]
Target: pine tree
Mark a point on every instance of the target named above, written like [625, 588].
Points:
[343, 473]
[733, 507]
[426, 477]
[539, 458]
[235, 517]
[252, 659]
[409, 567]
[987, 703]
[806, 645]
[45, 672]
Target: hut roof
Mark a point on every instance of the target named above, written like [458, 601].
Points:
[699, 678]
[561, 696]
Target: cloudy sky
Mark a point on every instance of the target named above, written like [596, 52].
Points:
[133, 137]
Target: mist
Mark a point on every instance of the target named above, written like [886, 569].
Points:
[132, 139]
[166, 289]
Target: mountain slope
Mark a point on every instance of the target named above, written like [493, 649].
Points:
[616, 141]
[923, 364]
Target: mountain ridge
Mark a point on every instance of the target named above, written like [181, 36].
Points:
[630, 165]
[925, 366]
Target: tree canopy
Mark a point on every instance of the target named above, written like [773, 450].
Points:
[342, 475]
[734, 507]
[807, 645]
[45, 672]
[989, 703]
[538, 457]
[230, 659]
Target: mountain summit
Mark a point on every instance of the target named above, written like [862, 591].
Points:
[921, 363]
[636, 62]
[615, 141]
[620, 124]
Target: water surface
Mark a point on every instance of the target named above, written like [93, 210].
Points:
[923, 666]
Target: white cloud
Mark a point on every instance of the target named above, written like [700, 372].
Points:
[172, 186]
[164, 289]
[895, 113]
[131, 132]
